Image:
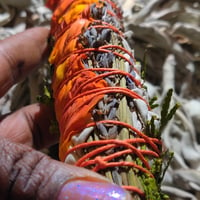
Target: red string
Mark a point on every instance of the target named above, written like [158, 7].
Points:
[115, 7]
[123, 124]
[86, 160]
[122, 144]
[114, 71]
[101, 49]
[106, 90]
[107, 26]
[112, 141]
[98, 157]
[134, 190]
[99, 77]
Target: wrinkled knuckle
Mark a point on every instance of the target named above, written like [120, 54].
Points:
[25, 176]
[25, 171]
[10, 61]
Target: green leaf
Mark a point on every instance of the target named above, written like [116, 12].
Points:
[152, 103]
[173, 111]
[167, 114]
[165, 106]
[144, 66]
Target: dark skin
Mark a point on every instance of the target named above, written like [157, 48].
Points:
[26, 173]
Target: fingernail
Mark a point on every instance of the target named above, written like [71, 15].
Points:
[82, 190]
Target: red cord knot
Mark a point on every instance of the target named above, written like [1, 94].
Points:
[100, 163]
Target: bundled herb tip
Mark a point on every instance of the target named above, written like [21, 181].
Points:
[105, 119]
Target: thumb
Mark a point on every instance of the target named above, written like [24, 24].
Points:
[29, 174]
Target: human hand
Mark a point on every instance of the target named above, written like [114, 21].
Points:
[26, 173]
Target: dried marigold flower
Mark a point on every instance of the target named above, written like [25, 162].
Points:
[100, 102]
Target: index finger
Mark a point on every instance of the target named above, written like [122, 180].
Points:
[19, 54]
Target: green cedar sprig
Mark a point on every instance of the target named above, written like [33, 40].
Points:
[166, 112]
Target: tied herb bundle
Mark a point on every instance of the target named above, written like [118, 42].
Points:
[105, 119]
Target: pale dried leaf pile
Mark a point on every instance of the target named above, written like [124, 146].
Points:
[169, 32]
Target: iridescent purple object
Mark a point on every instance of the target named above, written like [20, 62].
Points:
[82, 190]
